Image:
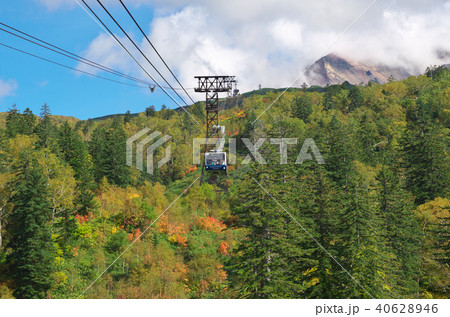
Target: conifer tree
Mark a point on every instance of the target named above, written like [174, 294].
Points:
[75, 153]
[262, 264]
[366, 140]
[362, 245]
[425, 156]
[31, 258]
[150, 111]
[29, 121]
[402, 231]
[127, 117]
[356, 98]
[316, 206]
[303, 105]
[45, 129]
[361, 250]
[328, 98]
[14, 122]
[340, 154]
[108, 151]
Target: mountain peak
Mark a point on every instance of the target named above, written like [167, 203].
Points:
[334, 69]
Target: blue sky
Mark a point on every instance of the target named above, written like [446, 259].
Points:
[267, 42]
[35, 82]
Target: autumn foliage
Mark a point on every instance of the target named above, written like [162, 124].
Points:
[211, 224]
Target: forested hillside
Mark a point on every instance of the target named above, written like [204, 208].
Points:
[371, 222]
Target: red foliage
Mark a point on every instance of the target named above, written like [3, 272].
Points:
[211, 224]
[181, 240]
[231, 133]
[224, 246]
[81, 219]
[75, 250]
[163, 224]
[190, 169]
[135, 235]
[222, 274]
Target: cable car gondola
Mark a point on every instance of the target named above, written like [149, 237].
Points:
[216, 161]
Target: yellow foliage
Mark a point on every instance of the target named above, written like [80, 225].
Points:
[309, 271]
[134, 195]
[60, 278]
[19, 144]
[314, 281]
[5, 292]
[59, 260]
[433, 210]
[178, 239]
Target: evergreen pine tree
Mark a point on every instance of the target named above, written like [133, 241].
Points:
[150, 111]
[359, 241]
[319, 213]
[356, 98]
[108, 151]
[29, 121]
[75, 153]
[425, 157]
[328, 98]
[367, 139]
[361, 245]
[45, 129]
[14, 122]
[262, 265]
[402, 230]
[127, 117]
[31, 257]
[304, 107]
[340, 154]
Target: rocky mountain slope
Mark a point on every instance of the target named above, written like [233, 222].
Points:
[332, 69]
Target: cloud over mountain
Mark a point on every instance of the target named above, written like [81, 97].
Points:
[272, 42]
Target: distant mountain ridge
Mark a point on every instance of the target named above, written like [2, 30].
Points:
[333, 69]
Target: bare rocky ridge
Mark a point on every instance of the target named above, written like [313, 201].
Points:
[332, 69]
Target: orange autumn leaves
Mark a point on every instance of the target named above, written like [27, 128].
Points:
[136, 235]
[178, 233]
[211, 224]
[223, 249]
[190, 169]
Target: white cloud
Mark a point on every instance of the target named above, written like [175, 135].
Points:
[271, 42]
[7, 88]
[287, 33]
[104, 50]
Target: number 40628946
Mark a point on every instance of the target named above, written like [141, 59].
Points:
[410, 308]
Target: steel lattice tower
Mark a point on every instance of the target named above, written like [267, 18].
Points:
[212, 86]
